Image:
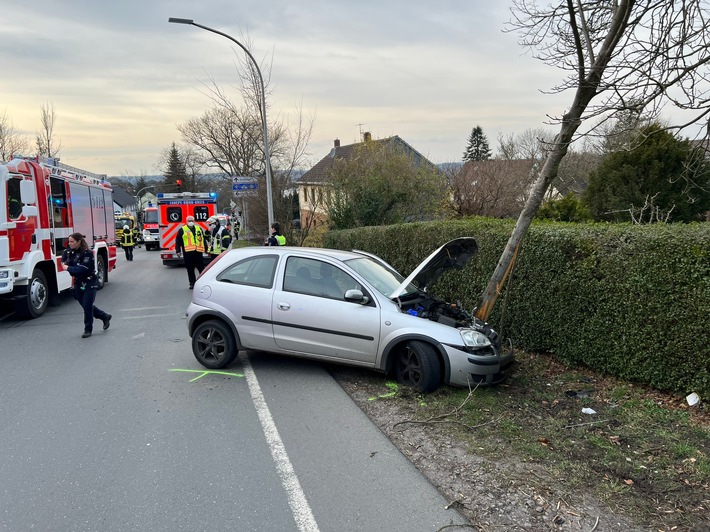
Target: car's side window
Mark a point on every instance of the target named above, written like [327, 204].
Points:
[255, 271]
[317, 278]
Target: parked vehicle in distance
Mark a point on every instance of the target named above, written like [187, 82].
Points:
[347, 307]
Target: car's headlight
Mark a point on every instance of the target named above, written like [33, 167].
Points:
[473, 338]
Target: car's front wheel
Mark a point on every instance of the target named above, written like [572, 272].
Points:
[418, 366]
[213, 344]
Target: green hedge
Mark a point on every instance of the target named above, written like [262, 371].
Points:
[625, 300]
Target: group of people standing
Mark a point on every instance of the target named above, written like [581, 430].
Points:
[191, 242]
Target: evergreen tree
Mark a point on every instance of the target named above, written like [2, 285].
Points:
[478, 148]
[661, 175]
[175, 170]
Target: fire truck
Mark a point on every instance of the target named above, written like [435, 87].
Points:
[151, 227]
[42, 202]
[122, 219]
[174, 208]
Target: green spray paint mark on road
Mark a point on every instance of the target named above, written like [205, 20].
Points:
[207, 372]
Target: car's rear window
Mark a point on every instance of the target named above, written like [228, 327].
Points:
[255, 271]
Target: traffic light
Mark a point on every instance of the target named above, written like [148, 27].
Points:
[178, 184]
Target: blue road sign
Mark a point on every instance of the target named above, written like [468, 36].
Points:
[245, 186]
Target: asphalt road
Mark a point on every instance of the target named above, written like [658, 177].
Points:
[126, 431]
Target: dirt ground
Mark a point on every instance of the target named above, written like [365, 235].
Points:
[506, 495]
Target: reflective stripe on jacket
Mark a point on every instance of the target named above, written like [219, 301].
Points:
[216, 242]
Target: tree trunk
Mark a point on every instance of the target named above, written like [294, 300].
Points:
[537, 195]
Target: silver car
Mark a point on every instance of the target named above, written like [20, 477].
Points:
[346, 307]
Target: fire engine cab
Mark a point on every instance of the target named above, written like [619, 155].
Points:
[151, 229]
[41, 204]
[174, 209]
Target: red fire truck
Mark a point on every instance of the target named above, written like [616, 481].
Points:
[151, 229]
[41, 204]
[174, 208]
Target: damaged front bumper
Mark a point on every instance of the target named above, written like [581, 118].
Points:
[471, 369]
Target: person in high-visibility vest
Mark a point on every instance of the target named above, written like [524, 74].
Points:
[127, 242]
[136, 236]
[217, 238]
[276, 238]
[190, 243]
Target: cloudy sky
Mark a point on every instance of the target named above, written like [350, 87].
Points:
[120, 77]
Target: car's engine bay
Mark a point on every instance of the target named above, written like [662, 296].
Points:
[451, 314]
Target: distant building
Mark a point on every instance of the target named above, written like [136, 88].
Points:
[493, 187]
[123, 201]
[313, 188]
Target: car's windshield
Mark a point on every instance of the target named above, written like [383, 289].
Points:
[384, 279]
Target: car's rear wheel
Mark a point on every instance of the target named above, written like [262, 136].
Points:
[213, 344]
[418, 366]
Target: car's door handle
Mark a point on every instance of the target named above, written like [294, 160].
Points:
[284, 306]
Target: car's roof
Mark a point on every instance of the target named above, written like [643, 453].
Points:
[336, 254]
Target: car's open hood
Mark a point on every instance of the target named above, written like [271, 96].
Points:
[452, 255]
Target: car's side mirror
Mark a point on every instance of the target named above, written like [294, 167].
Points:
[356, 296]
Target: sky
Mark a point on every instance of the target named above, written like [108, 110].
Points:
[121, 78]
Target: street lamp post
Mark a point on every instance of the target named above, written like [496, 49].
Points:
[269, 200]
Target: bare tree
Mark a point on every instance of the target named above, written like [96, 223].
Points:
[46, 145]
[229, 138]
[495, 187]
[11, 141]
[530, 144]
[621, 55]
[648, 213]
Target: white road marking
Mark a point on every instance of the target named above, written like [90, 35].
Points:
[147, 316]
[296, 498]
[136, 309]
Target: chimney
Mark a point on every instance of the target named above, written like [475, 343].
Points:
[336, 143]
[367, 136]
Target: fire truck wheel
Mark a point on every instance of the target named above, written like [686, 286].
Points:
[35, 303]
[101, 272]
[213, 344]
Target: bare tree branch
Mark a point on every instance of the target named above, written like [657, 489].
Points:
[622, 55]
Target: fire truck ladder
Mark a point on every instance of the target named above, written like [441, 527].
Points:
[64, 170]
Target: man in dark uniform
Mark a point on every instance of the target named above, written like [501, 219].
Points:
[127, 242]
[190, 243]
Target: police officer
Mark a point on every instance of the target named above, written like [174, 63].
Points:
[276, 238]
[78, 260]
[190, 243]
[127, 242]
[218, 238]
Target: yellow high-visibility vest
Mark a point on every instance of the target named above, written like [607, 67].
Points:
[193, 242]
